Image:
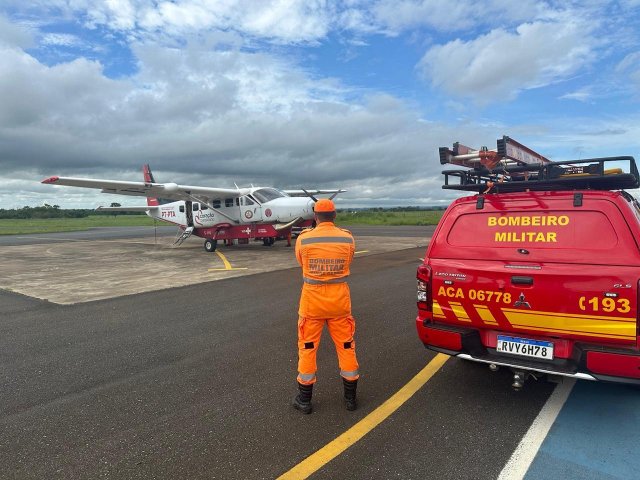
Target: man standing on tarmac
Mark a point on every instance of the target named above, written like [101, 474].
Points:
[325, 254]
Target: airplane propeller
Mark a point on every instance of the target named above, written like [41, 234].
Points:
[310, 196]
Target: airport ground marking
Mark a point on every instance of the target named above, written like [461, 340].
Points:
[331, 450]
[521, 459]
[57, 239]
[362, 251]
[227, 264]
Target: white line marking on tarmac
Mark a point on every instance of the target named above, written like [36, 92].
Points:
[520, 461]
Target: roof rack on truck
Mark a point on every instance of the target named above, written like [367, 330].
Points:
[508, 152]
[522, 169]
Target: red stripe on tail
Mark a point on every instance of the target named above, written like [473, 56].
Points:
[148, 178]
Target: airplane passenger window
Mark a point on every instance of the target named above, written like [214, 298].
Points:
[228, 202]
[216, 203]
[196, 207]
[204, 207]
[237, 202]
[181, 208]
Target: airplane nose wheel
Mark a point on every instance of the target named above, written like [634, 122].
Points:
[268, 241]
[210, 245]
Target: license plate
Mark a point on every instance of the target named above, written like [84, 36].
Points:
[525, 347]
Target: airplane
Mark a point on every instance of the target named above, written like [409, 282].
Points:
[242, 214]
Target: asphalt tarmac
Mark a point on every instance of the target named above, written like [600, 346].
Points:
[196, 382]
[161, 231]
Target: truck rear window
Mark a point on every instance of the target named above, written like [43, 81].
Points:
[581, 230]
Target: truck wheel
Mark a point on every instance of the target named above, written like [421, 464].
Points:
[210, 245]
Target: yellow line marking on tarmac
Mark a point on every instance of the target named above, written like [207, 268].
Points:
[362, 251]
[317, 460]
[227, 265]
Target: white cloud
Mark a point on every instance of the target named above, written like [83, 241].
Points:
[278, 20]
[209, 105]
[444, 15]
[630, 66]
[13, 35]
[581, 95]
[501, 63]
[61, 39]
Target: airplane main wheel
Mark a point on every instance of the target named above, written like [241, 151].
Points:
[268, 241]
[210, 245]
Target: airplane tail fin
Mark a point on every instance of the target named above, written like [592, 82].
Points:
[148, 177]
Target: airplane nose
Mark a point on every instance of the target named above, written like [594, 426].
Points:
[310, 205]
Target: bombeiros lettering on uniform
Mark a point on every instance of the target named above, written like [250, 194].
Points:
[527, 221]
[321, 265]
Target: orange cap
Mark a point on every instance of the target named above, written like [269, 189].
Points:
[324, 205]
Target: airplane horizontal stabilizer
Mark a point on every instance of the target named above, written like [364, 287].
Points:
[145, 209]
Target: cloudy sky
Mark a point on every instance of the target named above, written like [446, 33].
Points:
[357, 94]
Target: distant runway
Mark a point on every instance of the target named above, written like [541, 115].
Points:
[109, 233]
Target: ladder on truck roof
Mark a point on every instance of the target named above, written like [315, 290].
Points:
[522, 169]
[508, 152]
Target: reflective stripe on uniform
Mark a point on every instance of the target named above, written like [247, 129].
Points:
[313, 281]
[307, 241]
[352, 373]
[306, 377]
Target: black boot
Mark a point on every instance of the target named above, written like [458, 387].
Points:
[350, 387]
[302, 401]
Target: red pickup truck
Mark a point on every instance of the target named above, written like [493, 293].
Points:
[538, 272]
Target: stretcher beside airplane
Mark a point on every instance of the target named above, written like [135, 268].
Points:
[213, 213]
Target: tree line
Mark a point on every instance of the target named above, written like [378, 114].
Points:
[54, 211]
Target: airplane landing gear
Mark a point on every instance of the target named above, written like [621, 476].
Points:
[268, 241]
[210, 245]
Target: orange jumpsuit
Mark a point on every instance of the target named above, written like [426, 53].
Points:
[325, 254]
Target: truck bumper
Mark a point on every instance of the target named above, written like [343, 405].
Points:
[587, 362]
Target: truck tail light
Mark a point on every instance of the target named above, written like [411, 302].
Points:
[424, 288]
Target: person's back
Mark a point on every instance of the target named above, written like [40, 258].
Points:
[325, 254]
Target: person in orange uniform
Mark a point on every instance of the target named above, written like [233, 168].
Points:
[325, 254]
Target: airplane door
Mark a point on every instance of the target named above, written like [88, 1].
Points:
[250, 210]
[189, 213]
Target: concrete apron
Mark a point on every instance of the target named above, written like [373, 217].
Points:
[82, 271]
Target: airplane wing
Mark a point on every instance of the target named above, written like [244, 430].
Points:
[170, 191]
[306, 193]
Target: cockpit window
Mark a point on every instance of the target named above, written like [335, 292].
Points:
[267, 194]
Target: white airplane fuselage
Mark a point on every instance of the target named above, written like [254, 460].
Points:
[235, 212]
